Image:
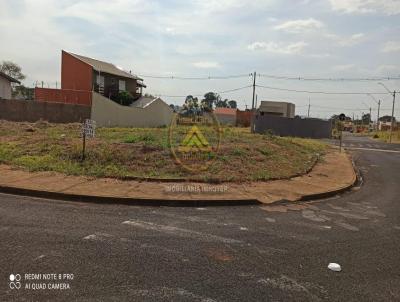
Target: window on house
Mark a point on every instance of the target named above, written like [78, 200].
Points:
[121, 85]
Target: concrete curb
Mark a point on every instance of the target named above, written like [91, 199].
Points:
[357, 180]
[173, 203]
[126, 201]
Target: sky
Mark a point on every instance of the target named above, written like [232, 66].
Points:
[304, 39]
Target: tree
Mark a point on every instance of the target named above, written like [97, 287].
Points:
[191, 105]
[123, 98]
[149, 95]
[12, 69]
[22, 92]
[232, 104]
[366, 118]
[221, 103]
[210, 99]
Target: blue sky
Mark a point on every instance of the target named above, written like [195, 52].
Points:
[324, 38]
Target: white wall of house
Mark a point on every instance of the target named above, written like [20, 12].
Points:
[5, 88]
[107, 113]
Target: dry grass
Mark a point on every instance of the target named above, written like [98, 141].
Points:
[144, 153]
[384, 136]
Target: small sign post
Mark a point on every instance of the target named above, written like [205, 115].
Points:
[342, 118]
[88, 131]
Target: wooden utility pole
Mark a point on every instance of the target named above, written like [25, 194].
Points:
[252, 103]
[309, 104]
[377, 120]
[370, 117]
[392, 119]
[254, 90]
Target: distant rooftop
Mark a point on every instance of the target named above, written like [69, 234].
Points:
[11, 79]
[228, 111]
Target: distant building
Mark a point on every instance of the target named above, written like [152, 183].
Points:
[80, 76]
[88, 82]
[226, 116]
[385, 126]
[5, 85]
[282, 109]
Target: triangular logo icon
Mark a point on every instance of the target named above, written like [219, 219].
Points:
[194, 141]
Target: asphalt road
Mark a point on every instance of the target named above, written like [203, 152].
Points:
[246, 253]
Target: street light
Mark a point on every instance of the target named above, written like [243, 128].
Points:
[379, 106]
[392, 119]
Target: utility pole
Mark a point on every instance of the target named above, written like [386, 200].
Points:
[370, 117]
[377, 120]
[392, 120]
[252, 104]
[256, 101]
[254, 90]
[308, 113]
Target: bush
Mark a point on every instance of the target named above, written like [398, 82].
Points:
[124, 98]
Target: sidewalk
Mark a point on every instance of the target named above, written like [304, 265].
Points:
[333, 174]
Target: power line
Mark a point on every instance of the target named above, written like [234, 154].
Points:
[319, 92]
[200, 95]
[172, 77]
[300, 78]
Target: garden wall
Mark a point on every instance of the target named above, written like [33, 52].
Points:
[32, 111]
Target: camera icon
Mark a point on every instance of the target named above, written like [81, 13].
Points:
[15, 281]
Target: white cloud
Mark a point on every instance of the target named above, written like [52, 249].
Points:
[387, 69]
[206, 64]
[347, 40]
[216, 6]
[278, 48]
[391, 46]
[388, 7]
[343, 67]
[299, 26]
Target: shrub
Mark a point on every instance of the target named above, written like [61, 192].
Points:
[124, 98]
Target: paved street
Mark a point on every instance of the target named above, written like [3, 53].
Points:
[353, 142]
[245, 253]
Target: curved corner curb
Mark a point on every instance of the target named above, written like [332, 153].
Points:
[356, 180]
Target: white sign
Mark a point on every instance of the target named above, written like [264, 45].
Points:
[89, 128]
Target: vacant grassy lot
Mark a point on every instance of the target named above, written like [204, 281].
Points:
[145, 153]
[384, 136]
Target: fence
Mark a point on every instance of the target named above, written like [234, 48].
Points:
[67, 96]
[243, 118]
[32, 111]
[310, 127]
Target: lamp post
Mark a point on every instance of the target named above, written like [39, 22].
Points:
[392, 119]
